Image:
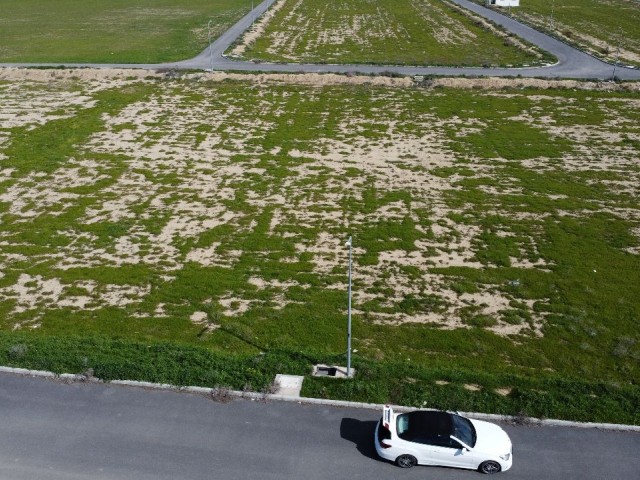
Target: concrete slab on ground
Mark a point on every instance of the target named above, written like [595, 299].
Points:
[289, 385]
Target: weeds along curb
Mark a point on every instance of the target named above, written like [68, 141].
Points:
[541, 422]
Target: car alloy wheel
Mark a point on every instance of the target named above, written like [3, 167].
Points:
[490, 467]
[406, 461]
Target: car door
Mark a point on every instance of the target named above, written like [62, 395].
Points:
[442, 450]
[449, 456]
[425, 450]
[422, 451]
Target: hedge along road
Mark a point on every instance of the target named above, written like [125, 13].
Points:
[572, 63]
[51, 430]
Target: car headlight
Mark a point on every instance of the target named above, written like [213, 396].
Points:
[505, 457]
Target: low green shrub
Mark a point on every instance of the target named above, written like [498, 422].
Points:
[380, 382]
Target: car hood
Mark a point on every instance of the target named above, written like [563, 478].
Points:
[491, 438]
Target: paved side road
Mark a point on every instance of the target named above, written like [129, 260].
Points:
[572, 63]
[50, 431]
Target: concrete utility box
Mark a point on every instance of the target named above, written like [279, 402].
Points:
[332, 371]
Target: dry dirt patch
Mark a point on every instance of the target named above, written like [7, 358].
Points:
[155, 135]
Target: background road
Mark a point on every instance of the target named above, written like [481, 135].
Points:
[572, 63]
[51, 430]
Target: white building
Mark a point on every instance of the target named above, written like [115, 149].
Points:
[505, 3]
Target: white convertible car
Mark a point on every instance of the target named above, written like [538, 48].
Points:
[430, 437]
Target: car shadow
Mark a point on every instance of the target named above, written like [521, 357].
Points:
[361, 433]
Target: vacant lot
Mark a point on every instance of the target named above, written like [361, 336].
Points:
[393, 32]
[496, 228]
[112, 31]
[600, 27]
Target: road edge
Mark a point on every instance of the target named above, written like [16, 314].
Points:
[542, 422]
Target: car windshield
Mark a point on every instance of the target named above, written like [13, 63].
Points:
[463, 429]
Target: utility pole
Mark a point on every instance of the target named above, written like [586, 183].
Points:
[349, 244]
[615, 64]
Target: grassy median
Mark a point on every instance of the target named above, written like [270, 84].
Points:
[609, 30]
[388, 32]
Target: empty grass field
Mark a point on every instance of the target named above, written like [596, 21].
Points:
[112, 31]
[152, 227]
[390, 32]
[605, 28]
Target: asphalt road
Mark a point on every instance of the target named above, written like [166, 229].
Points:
[51, 430]
[572, 63]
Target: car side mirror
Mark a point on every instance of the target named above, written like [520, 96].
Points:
[461, 443]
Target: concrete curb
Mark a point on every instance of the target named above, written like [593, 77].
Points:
[316, 401]
[24, 371]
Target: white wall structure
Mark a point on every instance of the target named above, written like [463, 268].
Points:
[506, 3]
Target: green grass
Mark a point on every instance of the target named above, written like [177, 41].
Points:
[161, 199]
[398, 382]
[172, 363]
[112, 31]
[600, 27]
[389, 32]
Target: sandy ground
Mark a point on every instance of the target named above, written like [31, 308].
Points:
[616, 48]
[98, 78]
[157, 136]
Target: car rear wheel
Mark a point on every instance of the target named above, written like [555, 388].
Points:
[490, 467]
[406, 461]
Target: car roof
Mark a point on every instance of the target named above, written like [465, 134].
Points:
[437, 422]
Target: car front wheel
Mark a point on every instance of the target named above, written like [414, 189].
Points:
[490, 467]
[406, 461]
